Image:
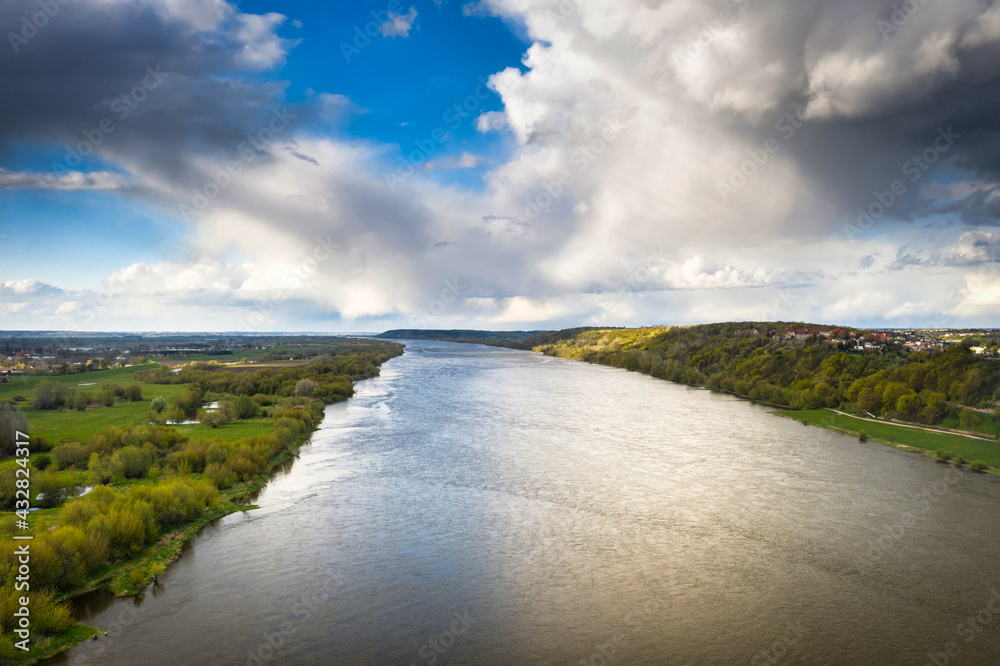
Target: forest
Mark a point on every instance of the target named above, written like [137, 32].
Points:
[952, 387]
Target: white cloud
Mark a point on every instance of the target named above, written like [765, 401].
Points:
[399, 25]
[464, 161]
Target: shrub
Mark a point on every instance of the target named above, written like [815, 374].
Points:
[943, 455]
[70, 455]
[11, 421]
[213, 418]
[52, 486]
[106, 398]
[81, 401]
[978, 466]
[51, 395]
[969, 419]
[189, 401]
[862, 436]
[133, 461]
[159, 404]
[305, 387]
[103, 470]
[133, 393]
[242, 407]
[221, 475]
[136, 577]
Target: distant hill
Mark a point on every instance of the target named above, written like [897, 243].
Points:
[496, 338]
[510, 339]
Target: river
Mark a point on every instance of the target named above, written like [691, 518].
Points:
[474, 505]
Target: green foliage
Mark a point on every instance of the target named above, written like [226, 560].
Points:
[241, 406]
[978, 466]
[214, 418]
[969, 419]
[305, 387]
[862, 436]
[943, 455]
[52, 395]
[152, 466]
[754, 360]
[11, 421]
[81, 401]
[189, 401]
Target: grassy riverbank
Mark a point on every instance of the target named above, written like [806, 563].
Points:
[155, 486]
[900, 436]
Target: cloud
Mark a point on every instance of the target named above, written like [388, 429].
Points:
[621, 122]
[14, 290]
[25, 180]
[399, 25]
[464, 161]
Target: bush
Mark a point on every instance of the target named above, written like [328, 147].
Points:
[11, 421]
[213, 418]
[136, 577]
[133, 393]
[51, 395]
[242, 407]
[189, 401]
[943, 455]
[978, 466]
[305, 387]
[159, 404]
[220, 474]
[969, 419]
[133, 461]
[107, 398]
[862, 436]
[81, 401]
[52, 486]
[70, 455]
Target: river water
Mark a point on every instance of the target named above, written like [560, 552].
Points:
[486, 506]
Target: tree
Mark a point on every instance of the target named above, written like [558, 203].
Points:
[159, 404]
[969, 419]
[50, 395]
[106, 397]
[242, 406]
[12, 421]
[133, 393]
[213, 418]
[305, 387]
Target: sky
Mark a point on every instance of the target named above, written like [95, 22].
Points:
[202, 165]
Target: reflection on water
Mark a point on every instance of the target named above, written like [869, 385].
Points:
[488, 506]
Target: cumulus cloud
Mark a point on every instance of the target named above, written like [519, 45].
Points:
[399, 25]
[624, 118]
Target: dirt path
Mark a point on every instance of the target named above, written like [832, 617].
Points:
[915, 427]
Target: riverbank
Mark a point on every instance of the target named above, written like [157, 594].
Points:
[925, 441]
[183, 481]
[153, 560]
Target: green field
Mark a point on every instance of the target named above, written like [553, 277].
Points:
[73, 425]
[895, 435]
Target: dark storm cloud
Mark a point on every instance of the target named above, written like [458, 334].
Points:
[163, 79]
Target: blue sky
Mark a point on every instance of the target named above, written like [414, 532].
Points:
[589, 178]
